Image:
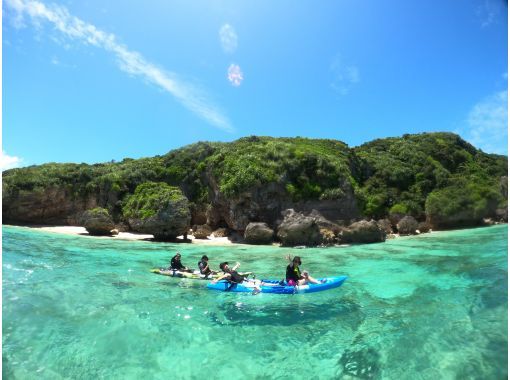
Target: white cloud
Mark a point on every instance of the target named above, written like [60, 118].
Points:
[228, 38]
[132, 62]
[9, 162]
[487, 124]
[489, 11]
[343, 76]
[235, 75]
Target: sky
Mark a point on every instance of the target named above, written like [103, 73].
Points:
[95, 81]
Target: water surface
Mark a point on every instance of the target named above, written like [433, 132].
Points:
[426, 307]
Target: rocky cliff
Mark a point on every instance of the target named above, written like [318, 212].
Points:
[433, 177]
[51, 205]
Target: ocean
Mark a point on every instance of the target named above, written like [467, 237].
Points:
[433, 306]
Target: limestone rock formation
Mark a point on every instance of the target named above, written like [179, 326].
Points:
[256, 178]
[98, 221]
[297, 229]
[363, 232]
[424, 227]
[258, 233]
[407, 226]
[266, 202]
[158, 209]
[52, 205]
[328, 236]
[325, 223]
[502, 214]
[394, 218]
[198, 215]
[221, 232]
[385, 225]
[202, 231]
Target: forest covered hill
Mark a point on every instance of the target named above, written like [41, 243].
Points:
[433, 177]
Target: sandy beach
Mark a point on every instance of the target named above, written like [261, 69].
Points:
[211, 240]
[75, 230]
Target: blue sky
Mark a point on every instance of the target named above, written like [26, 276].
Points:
[92, 81]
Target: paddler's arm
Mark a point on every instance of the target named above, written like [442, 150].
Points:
[236, 266]
[220, 278]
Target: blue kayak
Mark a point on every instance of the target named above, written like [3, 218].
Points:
[279, 287]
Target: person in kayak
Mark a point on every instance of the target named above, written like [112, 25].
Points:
[294, 276]
[175, 264]
[231, 275]
[203, 266]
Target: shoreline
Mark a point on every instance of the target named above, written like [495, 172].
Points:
[131, 236]
[210, 241]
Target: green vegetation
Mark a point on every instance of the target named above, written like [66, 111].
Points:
[98, 212]
[399, 208]
[151, 197]
[36, 178]
[396, 175]
[313, 168]
[309, 169]
[462, 202]
[426, 174]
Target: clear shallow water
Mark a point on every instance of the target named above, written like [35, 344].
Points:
[427, 307]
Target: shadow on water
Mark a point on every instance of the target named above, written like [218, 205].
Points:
[363, 362]
[288, 314]
[477, 370]
[6, 368]
[500, 348]
[488, 273]
[492, 296]
[123, 284]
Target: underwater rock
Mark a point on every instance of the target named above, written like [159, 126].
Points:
[362, 363]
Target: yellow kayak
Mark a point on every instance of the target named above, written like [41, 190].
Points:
[195, 275]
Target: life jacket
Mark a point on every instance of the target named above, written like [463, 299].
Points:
[293, 273]
[202, 265]
[236, 277]
[176, 264]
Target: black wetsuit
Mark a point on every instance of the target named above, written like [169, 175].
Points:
[293, 273]
[202, 265]
[176, 264]
[235, 277]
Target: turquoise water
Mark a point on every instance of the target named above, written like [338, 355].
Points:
[426, 307]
